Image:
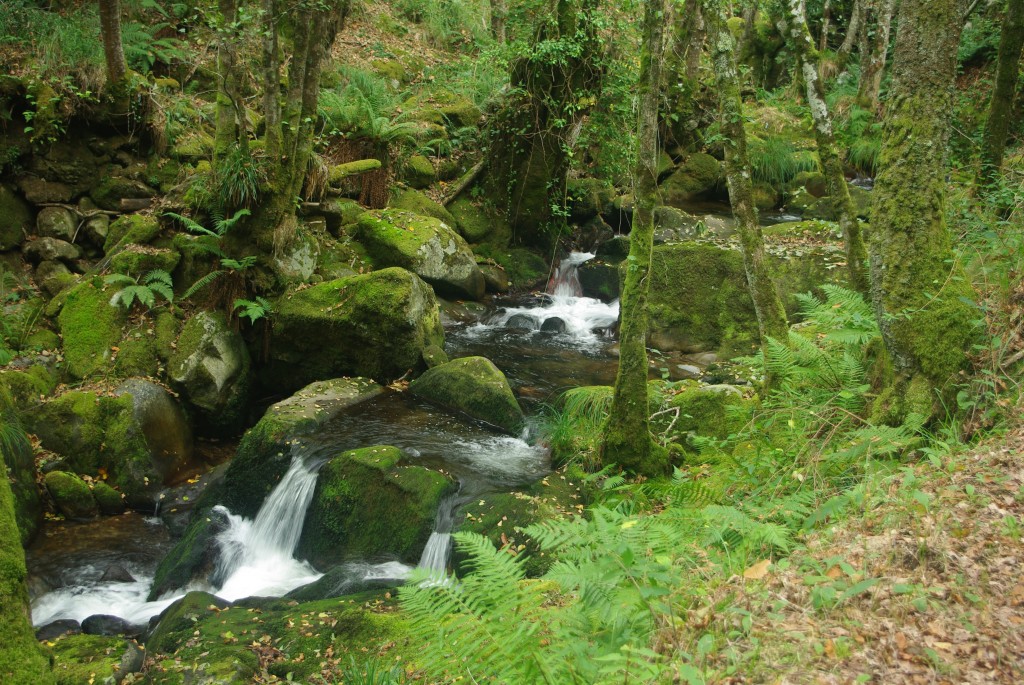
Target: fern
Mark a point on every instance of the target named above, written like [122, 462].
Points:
[155, 282]
[202, 283]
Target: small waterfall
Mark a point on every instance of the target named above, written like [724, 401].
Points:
[435, 554]
[566, 281]
[257, 556]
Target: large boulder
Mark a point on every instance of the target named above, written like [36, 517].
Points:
[164, 426]
[71, 495]
[212, 370]
[479, 222]
[427, 247]
[697, 177]
[366, 506]
[56, 222]
[473, 386]
[194, 557]
[266, 449]
[96, 433]
[375, 325]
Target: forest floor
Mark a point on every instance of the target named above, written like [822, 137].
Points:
[926, 588]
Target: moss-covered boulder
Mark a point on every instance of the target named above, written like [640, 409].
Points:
[697, 177]
[56, 222]
[416, 202]
[109, 500]
[377, 325]
[825, 208]
[71, 495]
[588, 197]
[366, 506]
[525, 269]
[138, 260]
[50, 250]
[27, 388]
[266, 449]
[17, 463]
[94, 433]
[90, 327]
[418, 172]
[83, 658]
[15, 218]
[116, 184]
[473, 386]
[211, 368]
[426, 246]
[130, 229]
[599, 280]
[714, 411]
[478, 223]
[164, 426]
[193, 558]
[178, 620]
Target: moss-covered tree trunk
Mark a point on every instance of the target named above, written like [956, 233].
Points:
[230, 114]
[1011, 42]
[22, 662]
[291, 102]
[808, 64]
[877, 15]
[530, 138]
[113, 50]
[499, 17]
[771, 316]
[917, 285]
[627, 437]
[852, 32]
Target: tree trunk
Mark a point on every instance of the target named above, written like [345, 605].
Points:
[113, 51]
[499, 15]
[872, 64]
[1011, 41]
[230, 113]
[771, 316]
[916, 283]
[795, 24]
[627, 436]
[826, 25]
[22, 662]
[692, 38]
[852, 33]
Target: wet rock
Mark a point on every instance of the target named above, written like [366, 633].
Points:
[177, 622]
[554, 325]
[56, 222]
[594, 233]
[265, 452]
[164, 427]
[132, 660]
[109, 500]
[434, 356]
[473, 386]
[103, 624]
[115, 573]
[366, 506]
[338, 582]
[51, 631]
[194, 557]
[378, 325]
[521, 322]
[427, 247]
[697, 177]
[212, 370]
[495, 278]
[50, 249]
[614, 250]
[599, 280]
[71, 495]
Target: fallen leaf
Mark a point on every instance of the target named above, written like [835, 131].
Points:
[758, 570]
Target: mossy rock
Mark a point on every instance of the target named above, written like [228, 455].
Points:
[479, 223]
[435, 356]
[799, 201]
[56, 222]
[113, 187]
[93, 431]
[26, 388]
[427, 247]
[138, 260]
[339, 213]
[475, 387]
[442, 107]
[82, 658]
[193, 558]
[339, 172]
[139, 229]
[90, 326]
[71, 495]
[41, 339]
[17, 464]
[699, 176]
[265, 451]
[825, 208]
[501, 516]
[588, 197]
[378, 324]
[192, 147]
[416, 202]
[599, 280]
[178, 620]
[418, 172]
[211, 367]
[525, 269]
[714, 411]
[390, 69]
[15, 218]
[366, 506]
[109, 500]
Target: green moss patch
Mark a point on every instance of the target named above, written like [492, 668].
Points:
[473, 386]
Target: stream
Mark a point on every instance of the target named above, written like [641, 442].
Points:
[544, 344]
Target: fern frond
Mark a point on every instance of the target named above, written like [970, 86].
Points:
[202, 283]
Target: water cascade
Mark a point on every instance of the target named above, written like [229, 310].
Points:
[435, 555]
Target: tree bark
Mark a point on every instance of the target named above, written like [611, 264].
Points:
[872, 63]
[499, 15]
[917, 287]
[795, 25]
[627, 437]
[113, 51]
[771, 316]
[229, 127]
[852, 32]
[826, 25]
[1011, 42]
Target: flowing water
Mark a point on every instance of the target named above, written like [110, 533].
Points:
[557, 341]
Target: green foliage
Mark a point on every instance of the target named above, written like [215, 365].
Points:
[448, 22]
[857, 129]
[239, 178]
[979, 40]
[64, 45]
[776, 162]
[371, 672]
[145, 291]
[254, 310]
[144, 48]
[573, 427]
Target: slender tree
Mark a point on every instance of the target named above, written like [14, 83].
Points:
[918, 289]
[113, 50]
[771, 315]
[230, 112]
[877, 16]
[1011, 42]
[795, 26]
[627, 436]
[852, 32]
[499, 15]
